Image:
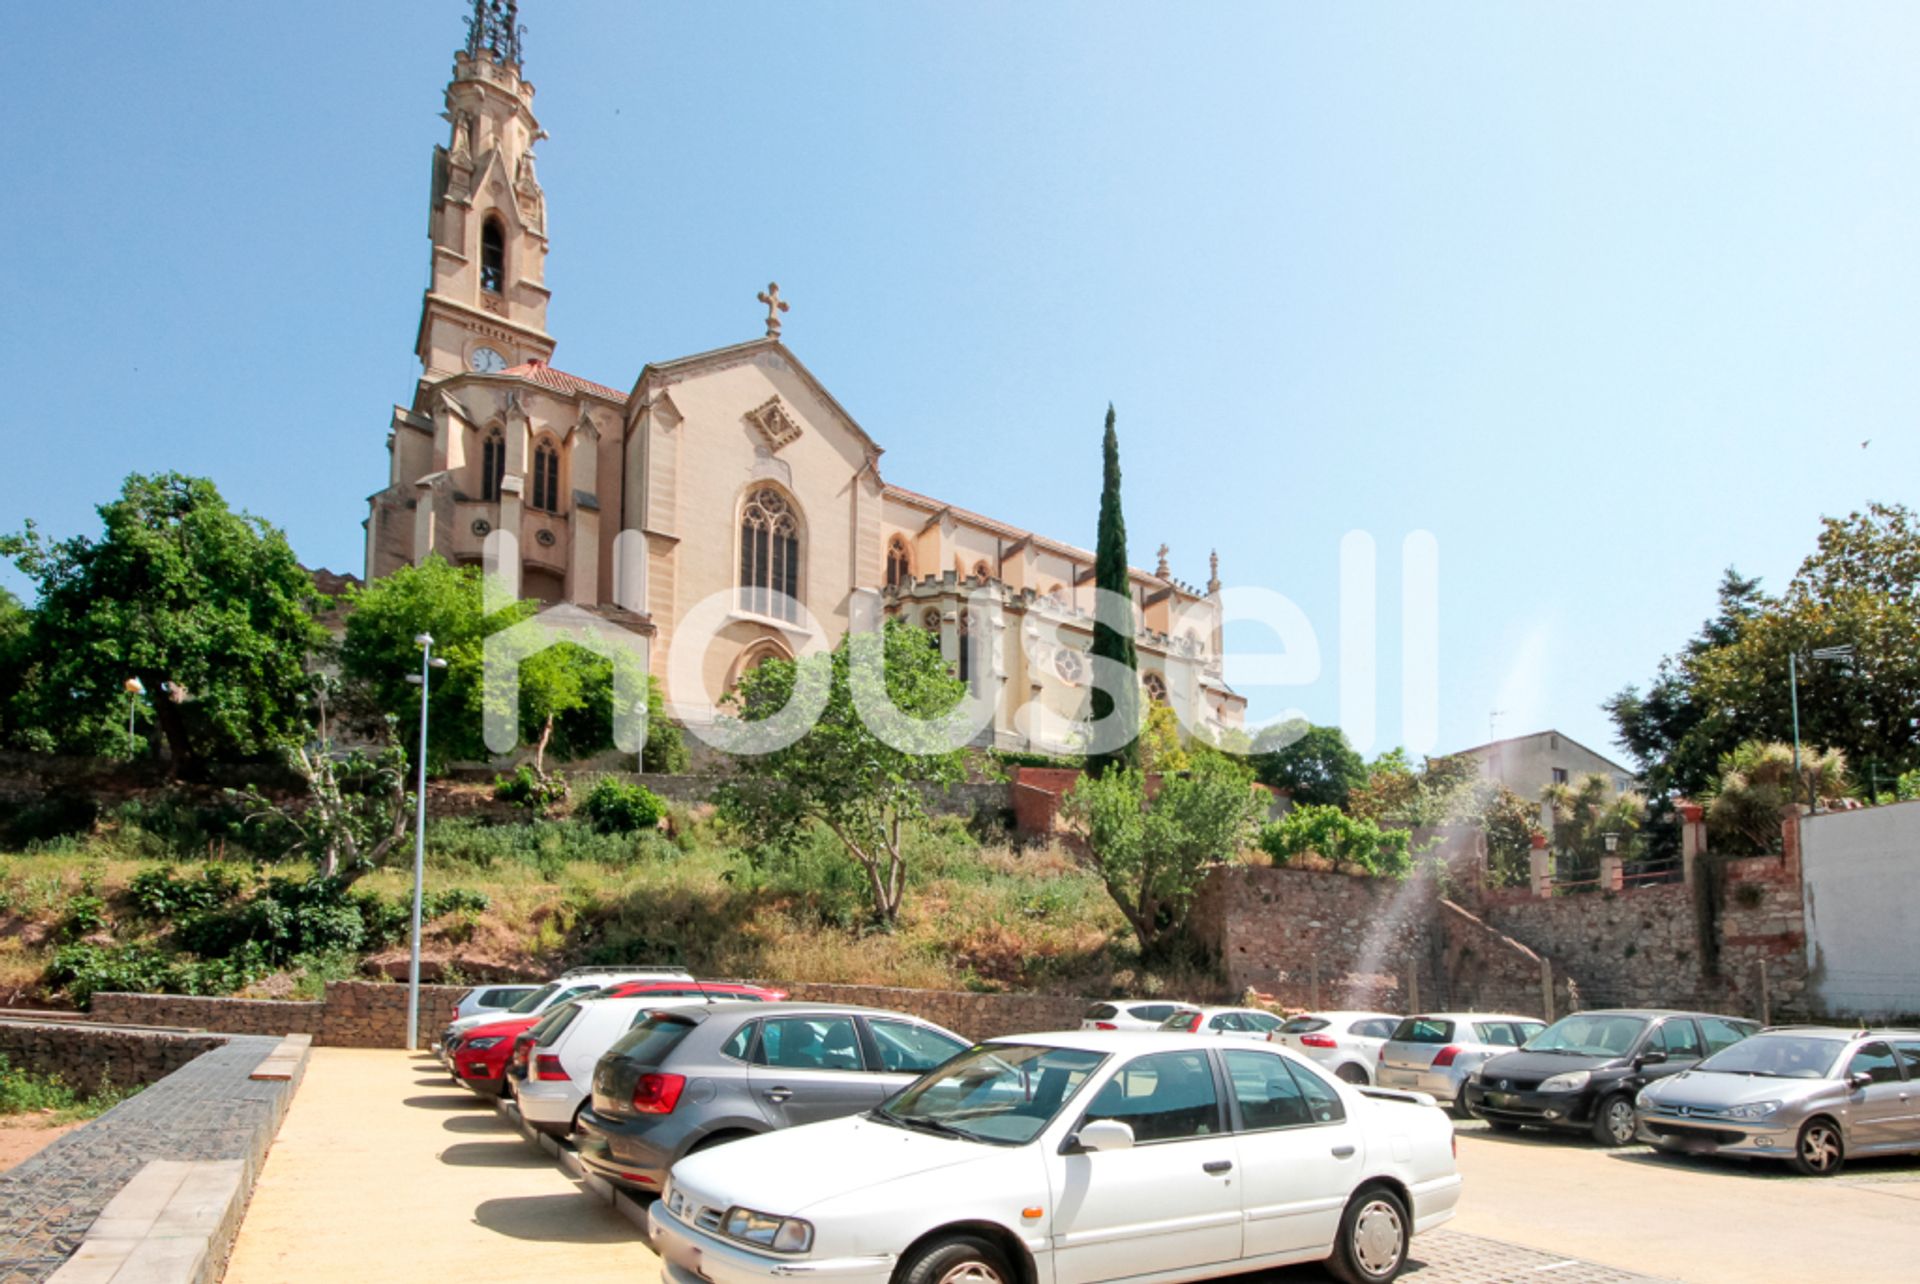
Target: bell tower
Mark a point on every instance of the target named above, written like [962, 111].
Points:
[486, 306]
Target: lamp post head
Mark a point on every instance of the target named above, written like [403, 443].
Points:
[423, 640]
[1613, 842]
[436, 663]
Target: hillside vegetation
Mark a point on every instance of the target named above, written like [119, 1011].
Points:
[155, 898]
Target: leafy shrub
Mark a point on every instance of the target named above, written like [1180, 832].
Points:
[163, 892]
[285, 918]
[1357, 846]
[85, 970]
[455, 900]
[617, 806]
[525, 788]
[86, 914]
[1024, 758]
[22, 1092]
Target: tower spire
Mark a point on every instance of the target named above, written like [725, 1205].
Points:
[494, 32]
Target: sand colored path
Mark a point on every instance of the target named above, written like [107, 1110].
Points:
[384, 1170]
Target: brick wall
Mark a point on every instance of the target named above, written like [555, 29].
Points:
[230, 1016]
[977, 1016]
[83, 1055]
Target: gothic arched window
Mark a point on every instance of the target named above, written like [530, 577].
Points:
[770, 555]
[493, 465]
[493, 257]
[965, 673]
[546, 478]
[1156, 688]
[899, 563]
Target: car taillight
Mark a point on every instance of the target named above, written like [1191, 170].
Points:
[521, 1052]
[1317, 1041]
[547, 1066]
[1445, 1056]
[658, 1094]
[1105, 1025]
[1193, 1026]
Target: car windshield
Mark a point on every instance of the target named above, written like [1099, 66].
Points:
[1589, 1036]
[1778, 1056]
[533, 1000]
[1303, 1025]
[1003, 1093]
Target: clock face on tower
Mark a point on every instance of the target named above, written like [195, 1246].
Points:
[487, 361]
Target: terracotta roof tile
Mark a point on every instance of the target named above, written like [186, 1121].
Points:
[560, 381]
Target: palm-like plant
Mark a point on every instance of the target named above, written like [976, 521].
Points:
[1585, 811]
[1757, 784]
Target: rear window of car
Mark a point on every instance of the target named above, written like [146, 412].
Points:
[651, 1039]
[501, 996]
[550, 1027]
[1180, 1019]
[1260, 1021]
[1303, 1025]
[1373, 1028]
[1153, 1011]
[1101, 1012]
[1500, 1034]
[1423, 1030]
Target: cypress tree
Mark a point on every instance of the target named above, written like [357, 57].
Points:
[1113, 617]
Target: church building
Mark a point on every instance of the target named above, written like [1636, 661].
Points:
[732, 473]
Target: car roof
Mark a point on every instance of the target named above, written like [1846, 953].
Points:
[1845, 1031]
[1121, 1040]
[1345, 1014]
[1467, 1016]
[783, 1007]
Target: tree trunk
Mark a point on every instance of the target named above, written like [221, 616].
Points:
[182, 762]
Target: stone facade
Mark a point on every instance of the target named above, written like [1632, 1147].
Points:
[727, 497]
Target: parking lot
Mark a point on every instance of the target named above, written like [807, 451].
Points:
[385, 1170]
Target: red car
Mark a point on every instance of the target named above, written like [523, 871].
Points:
[481, 1055]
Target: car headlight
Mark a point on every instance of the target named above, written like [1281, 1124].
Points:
[478, 1045]
[1752, 1110]
[675, 1201]
[1571, 1081]
[781, 1234]
[1477, 1074]
[1641, 1101]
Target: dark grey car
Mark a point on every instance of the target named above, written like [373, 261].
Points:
[690, 1077]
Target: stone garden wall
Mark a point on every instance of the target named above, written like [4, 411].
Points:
[85, 1056]
[977, 1016]
[230, 1016]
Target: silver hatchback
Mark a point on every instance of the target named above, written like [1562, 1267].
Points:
[1812, 1096]
[1435, 1052]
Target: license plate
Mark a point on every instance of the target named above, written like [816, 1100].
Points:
[1500, 1098]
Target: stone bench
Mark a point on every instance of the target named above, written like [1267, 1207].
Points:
[171, 1224]
[286, 1059]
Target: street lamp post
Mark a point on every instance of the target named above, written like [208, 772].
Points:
[427, 665]
[1842, 653]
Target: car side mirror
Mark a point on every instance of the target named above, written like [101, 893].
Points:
[1651, 1057]
[1861, 1080]
[1104, 1134]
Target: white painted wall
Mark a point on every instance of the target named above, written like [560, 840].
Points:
[1862, 875]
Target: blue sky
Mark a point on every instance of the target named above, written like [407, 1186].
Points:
[1605, 297]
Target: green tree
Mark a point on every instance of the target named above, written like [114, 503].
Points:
[1315, 765]
[1113, 626]
[356, 809]
[840, 774]
[1861, 588]
[15, 664]
[207, 607]
[1350, 844]
[1161, 749]
[1153, 853]
[1585, 811]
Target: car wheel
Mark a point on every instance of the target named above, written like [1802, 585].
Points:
[1613, 1122]
[1374, 1234]
[1354, 1074]
[1820, 1150]
[1459, 1109]
[960, 1259]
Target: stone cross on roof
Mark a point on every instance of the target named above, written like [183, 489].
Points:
[1163, 570]
[775, 306]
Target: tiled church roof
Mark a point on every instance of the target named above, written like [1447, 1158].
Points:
[560, 381]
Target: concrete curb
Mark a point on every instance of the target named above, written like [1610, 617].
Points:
[568, 1160]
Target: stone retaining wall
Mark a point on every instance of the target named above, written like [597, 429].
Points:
[85, 1055]
[208, 1109]
[370, 1014]
[977, 1016]
[231, 1016]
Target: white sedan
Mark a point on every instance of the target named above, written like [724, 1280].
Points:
[1074, 1158]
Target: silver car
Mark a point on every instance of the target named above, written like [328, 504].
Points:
[1436, 1051]
[1812, 1096]
[1347, 1043]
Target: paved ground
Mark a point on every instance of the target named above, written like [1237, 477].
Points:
[384, 1170]
[1691, 1219]
[23, 1136]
